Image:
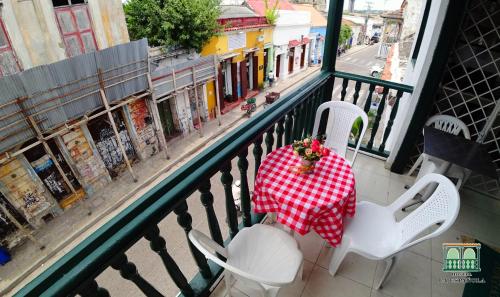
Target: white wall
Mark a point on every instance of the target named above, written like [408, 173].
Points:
[415, 75]
[291, 25]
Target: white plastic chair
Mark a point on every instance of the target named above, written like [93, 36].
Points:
[341, 117]
[261, 257]
[429, 164]
[375, 233]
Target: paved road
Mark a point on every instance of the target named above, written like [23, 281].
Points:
[359, 62]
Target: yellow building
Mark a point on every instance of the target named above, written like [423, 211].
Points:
[243, 49]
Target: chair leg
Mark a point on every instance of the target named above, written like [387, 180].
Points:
[227, 277]
[338, 256]
[417, 163]
[388, 268]
[301, 271]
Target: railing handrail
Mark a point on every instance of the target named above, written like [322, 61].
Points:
[93, 255]
[375, 81]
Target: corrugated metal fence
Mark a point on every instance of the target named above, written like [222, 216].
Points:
[63, 91]
[165, 82]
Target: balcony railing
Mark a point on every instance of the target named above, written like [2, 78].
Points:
[287, 119]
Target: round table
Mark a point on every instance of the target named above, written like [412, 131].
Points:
[319, 200]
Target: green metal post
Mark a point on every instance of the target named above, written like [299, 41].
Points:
[332, 35]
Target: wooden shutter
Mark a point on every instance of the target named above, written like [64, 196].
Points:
[76, 29]
[243, 78]
[255, 72]
[234, 80]
[8, 61]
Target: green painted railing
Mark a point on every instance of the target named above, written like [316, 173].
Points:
[381, 97]
[75, 273]
[290, 118]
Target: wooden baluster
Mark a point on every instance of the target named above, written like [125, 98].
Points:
[128, 271]
[257, 152]
[245, 192]
[227, 181]
[92, 289]
[376, 122]
[185, 221]
[392, 116]
[289, 128]
[269, 140]
[207, 199]
[302, 120]
[280, 129]
[159, 246]
[307, 114]
[296, 124]
[317, 103]
[345, 82]
[368, 101]
[314, 106]
[355, 97]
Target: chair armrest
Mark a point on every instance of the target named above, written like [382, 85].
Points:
[412, 192]
[203, 242]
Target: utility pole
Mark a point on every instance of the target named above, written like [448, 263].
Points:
[368, 9]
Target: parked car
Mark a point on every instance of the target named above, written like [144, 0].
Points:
[376, 71]
[375, 39]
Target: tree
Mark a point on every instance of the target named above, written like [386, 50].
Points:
[186, 23]
[345, 34]
[271, 12]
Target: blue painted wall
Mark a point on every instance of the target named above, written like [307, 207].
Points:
[322, 31]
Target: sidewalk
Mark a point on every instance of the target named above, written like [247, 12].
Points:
[66, 231]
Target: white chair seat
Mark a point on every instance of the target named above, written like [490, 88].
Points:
[265, 251]
[261, 258]
[373, 241]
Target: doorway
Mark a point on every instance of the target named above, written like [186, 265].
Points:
[47, 171]
[266, 56]
[291, 55]
[167, 120]
[106, 142]
[278, 66]
[303, 56]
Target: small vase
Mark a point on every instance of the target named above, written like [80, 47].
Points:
[306, 166]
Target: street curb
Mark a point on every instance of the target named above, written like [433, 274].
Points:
[119, 202]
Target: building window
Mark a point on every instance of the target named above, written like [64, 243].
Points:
[8, 61]
[76, 29]
[421, 31]
[58, 3]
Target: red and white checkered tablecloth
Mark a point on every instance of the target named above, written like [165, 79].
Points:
[319, 200]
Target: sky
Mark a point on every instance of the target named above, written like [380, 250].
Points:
[376, 4]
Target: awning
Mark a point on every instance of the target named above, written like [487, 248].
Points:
[294, 43]
[227, 56]
[251, 50]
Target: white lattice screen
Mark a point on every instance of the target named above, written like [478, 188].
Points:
[470, 88]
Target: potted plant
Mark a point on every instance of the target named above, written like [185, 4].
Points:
[310, 150]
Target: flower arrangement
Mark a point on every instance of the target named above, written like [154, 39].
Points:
[310, 150]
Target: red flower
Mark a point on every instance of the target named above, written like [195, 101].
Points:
[325, 152]
[315, 146]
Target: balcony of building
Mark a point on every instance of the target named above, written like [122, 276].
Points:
[144, 251]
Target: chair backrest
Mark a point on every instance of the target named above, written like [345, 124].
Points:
[341, 118]
[211, 249]
[441, 207]
[448, 124]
